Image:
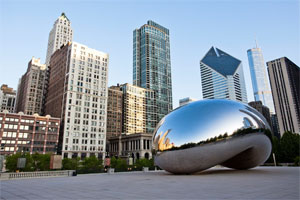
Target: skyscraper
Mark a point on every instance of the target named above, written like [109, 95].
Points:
[60, 34]
[7, 98]
[138, 109]
[31, 88]
[260, 78]
[114, 111]
[285, 85]
[152, 65]
[77, 93]
[222, 76]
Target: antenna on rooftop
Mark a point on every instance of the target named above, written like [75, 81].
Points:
[255, 41]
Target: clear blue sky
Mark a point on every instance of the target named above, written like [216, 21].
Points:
[194, 27]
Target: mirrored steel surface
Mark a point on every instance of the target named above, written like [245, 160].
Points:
[207, 122]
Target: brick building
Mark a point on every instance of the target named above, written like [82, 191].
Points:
[28, 133]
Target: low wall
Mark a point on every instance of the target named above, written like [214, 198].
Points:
[40, 174]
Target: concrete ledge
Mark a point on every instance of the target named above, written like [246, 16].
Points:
[40, 174]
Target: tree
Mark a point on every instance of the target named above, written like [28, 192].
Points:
[289, 146]
[12, 161]
[92, 164]
[70, 164]
[144, 163]
[41, 162]
[113, 162]
[29, 163]
[121, 165]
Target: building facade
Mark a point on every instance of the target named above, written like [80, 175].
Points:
[60, 34]
[264, 110]
[77, 93]
[260, 78]
[152, 64]
[186, 100]
[139, 106]
[7, 98]
[285, 85]
[222, 76]
[136, 146]
[31, 88]
[28, 133]
[114, 111]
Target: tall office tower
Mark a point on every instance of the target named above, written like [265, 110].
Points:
[260, 78]
[152, 65]
[77, 93]
[285, 85]
[138, 109]
[222, 76]
[60, 34]
[114, 111]
[7, 98]
[31, 88]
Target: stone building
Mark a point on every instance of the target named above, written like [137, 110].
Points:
[7, 98]
[77, 93]
[136, 146]
[60, 34]
[32, 88]
[114, 111]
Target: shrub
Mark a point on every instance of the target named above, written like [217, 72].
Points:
[70, 164]
[91, 165]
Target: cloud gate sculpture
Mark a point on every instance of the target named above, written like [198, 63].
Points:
[206, 133]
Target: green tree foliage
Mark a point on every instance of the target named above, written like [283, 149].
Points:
[119, 164]
[297, 161]
[144, 163]
[113, 162]
[289, 147]
[12, 161]
[35, 162]
[41, 162]
[91, 165]
[70, 164]
[29, 163]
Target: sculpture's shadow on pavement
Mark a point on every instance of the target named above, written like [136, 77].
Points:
[226, 171]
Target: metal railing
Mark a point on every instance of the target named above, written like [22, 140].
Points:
[40, 174]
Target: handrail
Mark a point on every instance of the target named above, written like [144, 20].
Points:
[37, 174]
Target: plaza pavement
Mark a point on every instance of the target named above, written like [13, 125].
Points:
[216, 183]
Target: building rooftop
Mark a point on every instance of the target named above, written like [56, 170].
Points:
[220, 61]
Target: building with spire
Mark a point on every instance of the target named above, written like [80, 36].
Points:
[222, 76]
[260, 78]
[60, 34]
[152, 65]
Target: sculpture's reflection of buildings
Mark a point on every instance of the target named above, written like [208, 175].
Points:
[206, 133]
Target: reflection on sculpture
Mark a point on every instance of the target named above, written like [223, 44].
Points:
[206, 133]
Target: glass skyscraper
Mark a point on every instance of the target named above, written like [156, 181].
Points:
[260, 78]
[222, 76]
[152, 65]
